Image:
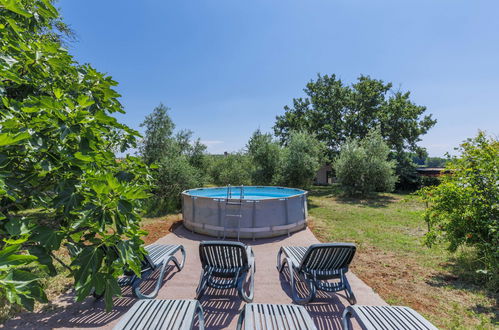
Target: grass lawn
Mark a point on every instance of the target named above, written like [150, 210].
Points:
[392, 259]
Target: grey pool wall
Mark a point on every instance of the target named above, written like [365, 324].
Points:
[259, 218]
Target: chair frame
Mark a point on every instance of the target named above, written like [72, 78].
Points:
[308, 269]
[232, 276]
[150, 267]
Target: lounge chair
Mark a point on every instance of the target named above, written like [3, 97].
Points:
[162, 314]
[226, 265]
[158, 257]
[274, 317]
[317, 264]
[386, 318]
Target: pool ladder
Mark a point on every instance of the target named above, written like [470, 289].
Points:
[235, 205]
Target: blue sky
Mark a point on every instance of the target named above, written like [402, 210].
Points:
[227, 68]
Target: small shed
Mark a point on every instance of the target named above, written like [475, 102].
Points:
[324, 175]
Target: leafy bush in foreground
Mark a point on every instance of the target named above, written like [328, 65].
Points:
[57, 138]
[464, 209]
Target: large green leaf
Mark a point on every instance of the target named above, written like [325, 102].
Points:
[48, 237]
[112, 289]
[15, 260]
[43, 258]
[16, 7]
[9, 139]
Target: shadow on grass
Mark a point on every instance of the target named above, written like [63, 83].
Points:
[375, 200]
[460, 274]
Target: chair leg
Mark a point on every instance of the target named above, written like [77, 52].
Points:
[348, 289]
[183, 258]
[240, 320]
[240, 285]
[200, 316]
[279, 264]
[347, 313]
[202, 284]
[136, 284]
[294, 292]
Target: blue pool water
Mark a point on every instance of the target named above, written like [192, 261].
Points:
[250, 192]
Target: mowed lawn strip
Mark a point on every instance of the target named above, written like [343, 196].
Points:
[393, 260]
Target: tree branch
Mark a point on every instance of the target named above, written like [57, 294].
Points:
[60, 261]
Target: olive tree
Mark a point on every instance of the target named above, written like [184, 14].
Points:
[362, 167]
[179, 162]
[265, 154]
[301, 160]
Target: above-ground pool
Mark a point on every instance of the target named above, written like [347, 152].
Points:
[244, 211]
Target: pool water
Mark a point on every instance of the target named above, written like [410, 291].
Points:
[249, 192]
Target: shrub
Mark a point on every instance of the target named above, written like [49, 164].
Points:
[172, 176]
[362, 166]
[58, 135]
[265, 155]
[463, 210]
[301, 160]
[180, 163]
[234, 169]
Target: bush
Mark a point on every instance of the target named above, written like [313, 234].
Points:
[362, 166]
[172, 176]
[234, 169]
[428, 181]
[265, 155]
[58, 137]
[301, 160]
[181, 164]
[463, 210]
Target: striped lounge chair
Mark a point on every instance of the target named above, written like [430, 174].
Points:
[316, 265]
[226, 265]
[162, 314]
[274, 317]
[386, 318]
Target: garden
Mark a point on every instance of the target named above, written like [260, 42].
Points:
[81, 193]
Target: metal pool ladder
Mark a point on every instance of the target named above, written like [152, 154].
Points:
[235, 205]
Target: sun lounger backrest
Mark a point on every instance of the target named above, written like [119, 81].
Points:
[221, 254]
[328, 256]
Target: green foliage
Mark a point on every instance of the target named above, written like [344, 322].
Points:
[57, 134]
[435, 162]
[172, 176]
[463, 210]
[234, 169]
[362, 166]
[427, 181]
[180, 163]
[335, 112]
[158, 141]
[301, 160]
[265, 155]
